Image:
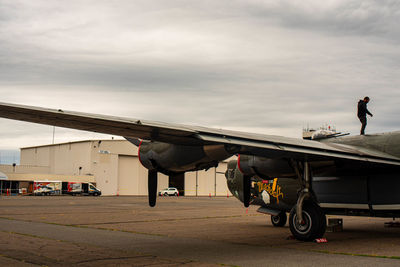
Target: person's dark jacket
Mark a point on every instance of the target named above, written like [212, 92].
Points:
[362, 110]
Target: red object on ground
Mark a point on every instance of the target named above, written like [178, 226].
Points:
[321, 240]
[227, 195]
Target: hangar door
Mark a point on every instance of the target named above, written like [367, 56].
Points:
[131, 180]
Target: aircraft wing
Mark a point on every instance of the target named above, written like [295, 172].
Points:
[257, 144]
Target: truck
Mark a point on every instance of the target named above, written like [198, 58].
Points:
[78, 188]
[45, 188]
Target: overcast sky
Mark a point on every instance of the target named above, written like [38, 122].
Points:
[260, 66]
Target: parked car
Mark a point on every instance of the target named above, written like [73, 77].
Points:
[170, 191]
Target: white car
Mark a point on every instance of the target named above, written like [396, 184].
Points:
[170, 191]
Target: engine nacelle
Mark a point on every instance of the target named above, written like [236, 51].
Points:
[278, 194]
[265, 168]
[170, 158]
[234, 180]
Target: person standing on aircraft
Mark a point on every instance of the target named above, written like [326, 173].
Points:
[362, 112]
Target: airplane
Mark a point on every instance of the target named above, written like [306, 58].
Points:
[348, 174]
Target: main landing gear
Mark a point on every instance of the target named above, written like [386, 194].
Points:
[312, 224]
[307, 221]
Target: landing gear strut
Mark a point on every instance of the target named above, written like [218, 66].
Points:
[307, 220]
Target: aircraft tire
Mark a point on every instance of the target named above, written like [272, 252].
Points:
[279, 220]
[322, 215]
[314, 222]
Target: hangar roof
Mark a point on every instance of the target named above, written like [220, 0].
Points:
[74, 142]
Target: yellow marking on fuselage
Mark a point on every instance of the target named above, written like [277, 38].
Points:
[274, 184]
[275, 190]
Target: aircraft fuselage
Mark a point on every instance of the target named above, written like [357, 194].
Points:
[341, 186]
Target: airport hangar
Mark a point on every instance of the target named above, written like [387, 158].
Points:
[112, 165]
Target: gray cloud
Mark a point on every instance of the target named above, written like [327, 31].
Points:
[371, 17]
[270, 67]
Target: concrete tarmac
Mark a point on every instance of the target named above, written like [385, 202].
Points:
[124, 231]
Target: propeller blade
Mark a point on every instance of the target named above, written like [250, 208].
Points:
[152, 187]
[246, 190]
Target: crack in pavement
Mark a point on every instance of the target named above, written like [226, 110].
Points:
[284, 246]
[25, 256]
[137, 221]
[115, 258]
[28, 257]
[172, 220]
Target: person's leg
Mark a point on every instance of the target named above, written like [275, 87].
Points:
[363, 125]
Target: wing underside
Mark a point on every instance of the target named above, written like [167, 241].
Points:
[257, 144]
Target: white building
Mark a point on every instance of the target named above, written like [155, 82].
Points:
[113, 165]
